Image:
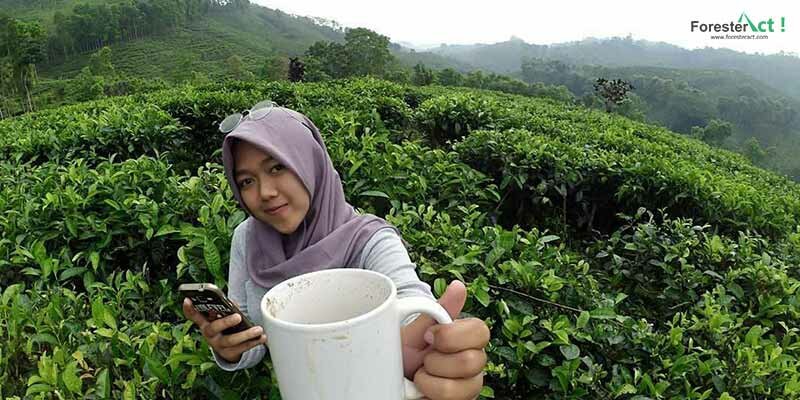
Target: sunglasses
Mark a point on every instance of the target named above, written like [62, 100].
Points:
[257, 112]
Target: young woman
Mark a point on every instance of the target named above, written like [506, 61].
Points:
[299, 221]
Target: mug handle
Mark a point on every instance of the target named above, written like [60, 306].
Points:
[417, 304]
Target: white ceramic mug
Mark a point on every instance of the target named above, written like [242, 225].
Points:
[335, 335]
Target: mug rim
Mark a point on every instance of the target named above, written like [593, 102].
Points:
[328, 325]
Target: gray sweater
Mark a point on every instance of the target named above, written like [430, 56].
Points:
[384, 252]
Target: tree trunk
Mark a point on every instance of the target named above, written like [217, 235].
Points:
[28, 94]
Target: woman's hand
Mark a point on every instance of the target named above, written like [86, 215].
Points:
[229, 347]
[451, 367]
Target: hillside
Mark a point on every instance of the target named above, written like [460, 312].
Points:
[608, 257]
[781, 72]
[220, 39]
[205, 43]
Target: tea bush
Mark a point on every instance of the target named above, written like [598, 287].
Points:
[578, 179]
[118, 129]
[610, 258]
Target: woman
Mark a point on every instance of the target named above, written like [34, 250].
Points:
[299, 221]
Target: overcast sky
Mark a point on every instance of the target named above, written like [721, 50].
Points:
[545, 22]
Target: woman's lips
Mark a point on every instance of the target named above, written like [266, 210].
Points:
[276, 210]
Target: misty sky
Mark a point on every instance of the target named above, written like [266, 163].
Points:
[544, 22]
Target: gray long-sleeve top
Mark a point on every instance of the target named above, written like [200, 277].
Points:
[384, 252]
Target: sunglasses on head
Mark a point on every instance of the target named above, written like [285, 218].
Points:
[257, 112]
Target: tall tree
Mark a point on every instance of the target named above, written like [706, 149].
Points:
[296, 70]
[327, 59]
[274, 68]
[363, 53]
[7, 89]
[100, 62]
[236, 68]
[367, 52]
[450, 77]
[714, 133]
[422, 75]
[24, 46]
[613, 92]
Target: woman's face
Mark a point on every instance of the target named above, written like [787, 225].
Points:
[264, 184]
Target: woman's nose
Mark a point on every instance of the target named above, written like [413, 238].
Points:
[268, 189]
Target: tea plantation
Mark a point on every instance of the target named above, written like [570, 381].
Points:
[611, 259]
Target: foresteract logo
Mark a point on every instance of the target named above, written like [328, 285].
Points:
[745, 24]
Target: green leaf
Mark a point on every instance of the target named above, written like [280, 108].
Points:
[483, 298]
[736, 290]
[603, 313]
[480, 290]
[535, 348]
[548, 239]
[102, 315]
[206, 366]
[39, 252]
[71, 379]
[512, 326]
[166, 230]
[94, 257]
[374, 193]
[71, 227]
[625, 389]
[714, 274]
[98, 310]
[439, 286]
[105, 332]
[11, 292]
[130, 391]
[71, 272]
[38, 388]
[583, 319]
[354, 167]
[562, 337]
[753, 336]
[109, 319]
[113, 204]
[158, 369]
[211, 255]
[570, 352]
[563, 374]
[488, 392]
[506, 241]
[44, 338]
[103, 385]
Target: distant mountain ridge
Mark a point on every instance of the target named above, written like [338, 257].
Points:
[781, 71]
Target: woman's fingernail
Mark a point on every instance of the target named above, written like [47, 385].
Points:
[429, 337]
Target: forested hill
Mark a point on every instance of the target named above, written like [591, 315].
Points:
[44, 44]
[781, 71]
[74, 28]
[160, 37]
[55, 52]
[751, 102]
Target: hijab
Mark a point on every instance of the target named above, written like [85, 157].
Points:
[332, 234]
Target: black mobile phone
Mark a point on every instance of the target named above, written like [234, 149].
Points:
[207, 298]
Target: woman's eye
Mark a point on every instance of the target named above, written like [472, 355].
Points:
[244, 182]
[277, 167]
